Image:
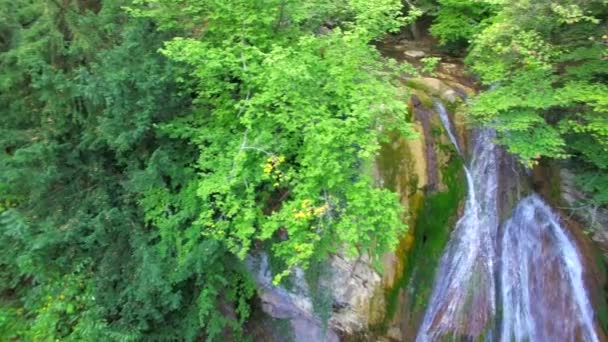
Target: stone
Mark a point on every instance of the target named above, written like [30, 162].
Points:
[463, 90]
[596, 218]
[324, 31]
[294, 305]
[305, 330]
[450, 96]
[435, 87]
[395, 334]
[414, 53]
[357, 286]
[450, 69]
[356, 291]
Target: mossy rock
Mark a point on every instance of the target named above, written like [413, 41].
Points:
[424, 97]
[434, 219]
[434, 87]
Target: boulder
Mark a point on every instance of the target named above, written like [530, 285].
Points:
[414, 54]
[435, 87]
[356, 293]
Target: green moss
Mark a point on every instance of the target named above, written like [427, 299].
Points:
[397, 177]
[453, 107]
[435, 218]
[600, 305]
[320, 295]
[424, 98]
[418, 85]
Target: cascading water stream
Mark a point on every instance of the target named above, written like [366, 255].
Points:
[463, 300]
[445, 120]
[542, 295]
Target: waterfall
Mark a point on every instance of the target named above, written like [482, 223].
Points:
[445, 120]
[463, 300]
[542, 295]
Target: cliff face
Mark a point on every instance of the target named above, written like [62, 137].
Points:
[349, 299]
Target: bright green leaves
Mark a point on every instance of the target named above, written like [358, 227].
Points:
[376, 17]
[288, 124]
[547, 69]
[458, 21]
[522, 119]
[138, 170]
[501, 50]
[512, 111]
[65, 307]
[571, 13]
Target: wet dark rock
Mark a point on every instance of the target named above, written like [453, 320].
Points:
[423, 115]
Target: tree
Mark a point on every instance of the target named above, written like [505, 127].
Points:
[457, 22]
[133, 183]
[548, 63]
[82, 90]
[287, 122]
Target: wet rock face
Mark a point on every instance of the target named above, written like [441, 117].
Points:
[542, 277]
[463, 298]
[437, 191]
[595, 218]
[423, 115]
[513, 183]
[355, 292]
[293, 305]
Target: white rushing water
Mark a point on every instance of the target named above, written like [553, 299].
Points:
[462, 303]
[543, 293]
[540, 293]
[447, 124]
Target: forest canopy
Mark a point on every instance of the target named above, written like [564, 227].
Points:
[148, 147]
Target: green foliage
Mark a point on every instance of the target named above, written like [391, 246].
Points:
[456, 21]
[82, 89]
[429, 64]
[287, 124]
[547, 64]
[133, 183]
